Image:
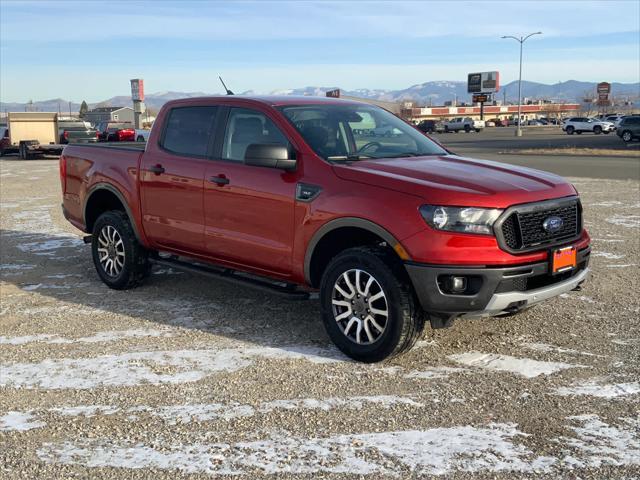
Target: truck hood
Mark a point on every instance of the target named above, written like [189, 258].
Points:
[454, 180]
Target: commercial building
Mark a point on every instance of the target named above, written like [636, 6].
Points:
[109, 114]
[528, 112]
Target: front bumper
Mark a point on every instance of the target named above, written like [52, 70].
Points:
[493, 291]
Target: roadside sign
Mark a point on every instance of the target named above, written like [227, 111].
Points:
[333, 93]
[483, 82]
[481, 98]
[137, 90]
[604, 87]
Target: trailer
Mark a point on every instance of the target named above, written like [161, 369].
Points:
[30, 134]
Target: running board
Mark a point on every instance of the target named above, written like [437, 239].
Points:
[288, 290]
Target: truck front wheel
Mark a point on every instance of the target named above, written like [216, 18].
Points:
[368, 307]
[121, 262]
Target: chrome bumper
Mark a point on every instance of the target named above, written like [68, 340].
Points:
[501, 302]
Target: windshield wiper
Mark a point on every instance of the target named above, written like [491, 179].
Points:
[348, 158]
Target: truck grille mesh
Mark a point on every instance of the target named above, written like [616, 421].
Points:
[523, 230]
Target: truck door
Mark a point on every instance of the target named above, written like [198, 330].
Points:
[249, 211]
[171, 179]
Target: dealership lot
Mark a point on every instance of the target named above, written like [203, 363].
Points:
[188, 376]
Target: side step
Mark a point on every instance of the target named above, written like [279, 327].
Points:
[288, 290]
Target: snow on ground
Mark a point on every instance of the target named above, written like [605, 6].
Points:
[203, 412]
[19, 421]
[106, 336]
[136, 368]
[594, 388]
[437, 451]
[599, 443]
[505, 363]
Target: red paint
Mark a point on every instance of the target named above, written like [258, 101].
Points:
[254, 223]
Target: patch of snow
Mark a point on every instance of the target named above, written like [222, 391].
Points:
[19, 422]
[50, 247]
[602, 444]
[438, 451]
[156, 367]
[628, 221]
[607, 255]
[545, 347]
[504, 363]
[593, 389]
[434, 373]
[625, 265]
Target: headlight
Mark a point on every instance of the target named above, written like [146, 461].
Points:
[460, 219]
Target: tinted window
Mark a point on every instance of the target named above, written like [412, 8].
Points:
[246, 127]
[188, 130]
[631, 121]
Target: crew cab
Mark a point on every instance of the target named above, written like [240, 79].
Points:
[463, 123]
[116, 132]
[583, 124]
[279, 193]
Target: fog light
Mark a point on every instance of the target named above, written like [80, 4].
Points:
[458, 284]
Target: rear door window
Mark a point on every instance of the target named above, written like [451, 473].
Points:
[188, 130]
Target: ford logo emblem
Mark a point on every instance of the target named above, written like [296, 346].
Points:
[552, 224]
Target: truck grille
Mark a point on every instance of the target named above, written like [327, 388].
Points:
[523, 230]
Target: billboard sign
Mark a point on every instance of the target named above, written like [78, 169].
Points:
[483, 82]
[137, 90]
[333, 93]
[604, 87]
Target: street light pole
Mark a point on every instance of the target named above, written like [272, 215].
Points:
[520, 40]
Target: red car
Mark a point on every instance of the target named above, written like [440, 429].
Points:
[287, 194]
[115, 132]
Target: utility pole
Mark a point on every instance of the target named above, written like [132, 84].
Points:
[521, 40]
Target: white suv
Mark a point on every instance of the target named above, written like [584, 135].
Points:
[584, 124]
[463, 123]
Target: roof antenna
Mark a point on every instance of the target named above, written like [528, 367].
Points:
[229, 92]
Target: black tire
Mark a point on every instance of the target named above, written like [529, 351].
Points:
[597, 129]
[446, 129]
[136, 265]
[570, 130]
[626, 136]
[405, 320]
[477, 130]
[467, 128]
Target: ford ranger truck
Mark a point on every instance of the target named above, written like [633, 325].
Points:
[287, 194]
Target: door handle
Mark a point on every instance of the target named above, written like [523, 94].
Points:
[157, 169]
[220, 180]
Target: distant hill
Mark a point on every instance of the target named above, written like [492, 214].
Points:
[428, 93]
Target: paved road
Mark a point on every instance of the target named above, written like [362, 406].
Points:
[490, 143]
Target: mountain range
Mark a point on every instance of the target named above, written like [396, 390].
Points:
[428, 93]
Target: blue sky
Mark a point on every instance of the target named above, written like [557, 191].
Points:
[89, 50]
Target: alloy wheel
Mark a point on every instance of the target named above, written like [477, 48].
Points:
[111, 251]
[360, 306]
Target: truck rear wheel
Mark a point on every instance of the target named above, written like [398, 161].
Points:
[368, 307]
[121, 262]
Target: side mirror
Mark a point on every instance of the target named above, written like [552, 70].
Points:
[272, 155]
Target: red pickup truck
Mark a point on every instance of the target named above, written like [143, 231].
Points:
[287, 194]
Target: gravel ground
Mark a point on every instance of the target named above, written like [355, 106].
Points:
[190, 377]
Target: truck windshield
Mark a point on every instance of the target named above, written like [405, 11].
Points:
[355, 132]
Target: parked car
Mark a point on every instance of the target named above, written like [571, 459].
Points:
[384, 131]
[116, 132]
[615, 119]
[463, 123]
[142, 134]
[389, 232]
[583, 124]
[535, 123]
[431, 126]
[629, 128]
[72, 132]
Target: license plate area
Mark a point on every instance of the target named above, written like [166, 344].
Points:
[563, 260]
